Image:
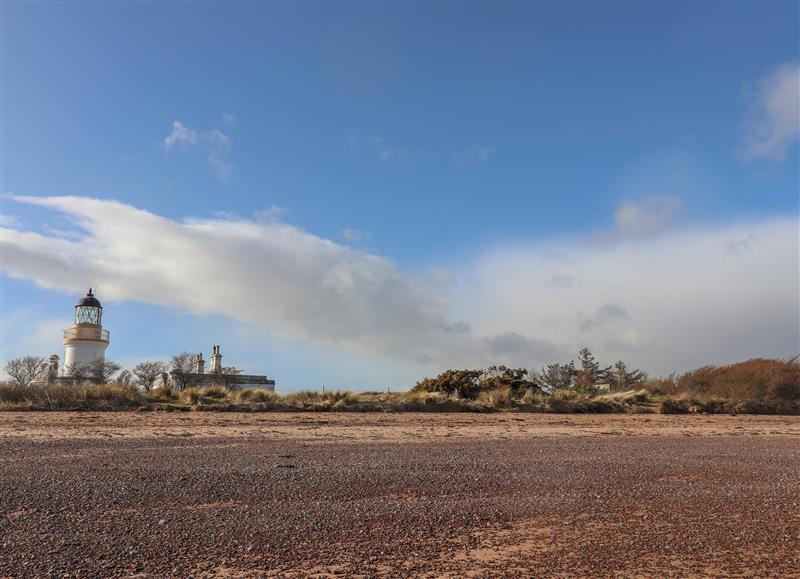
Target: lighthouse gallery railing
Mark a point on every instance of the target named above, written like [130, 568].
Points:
[83, 333]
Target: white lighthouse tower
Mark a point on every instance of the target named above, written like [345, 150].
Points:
[86, 340]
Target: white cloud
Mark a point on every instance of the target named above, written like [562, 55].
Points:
[271, 213]
[356, 235]
[276, 276]
[180, 135]
[674, 301]
[214, 143]
[384, 150]
[473, 154]
[228, 118]
[7, 220]
[650, 217]
[773, 123]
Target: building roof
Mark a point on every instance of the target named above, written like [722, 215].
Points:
[89, 300]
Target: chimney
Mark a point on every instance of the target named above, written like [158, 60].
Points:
[216, 360]
[52, 369]
[199, 364]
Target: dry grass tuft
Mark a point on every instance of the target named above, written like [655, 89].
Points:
[497, 398]
[165, 392]
[70, 397]
[320, 401]
[206, 395]
[257, 396]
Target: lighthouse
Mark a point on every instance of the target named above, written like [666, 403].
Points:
[86, 340]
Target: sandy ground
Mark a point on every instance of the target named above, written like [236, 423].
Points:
[371, 427]
[253, 495]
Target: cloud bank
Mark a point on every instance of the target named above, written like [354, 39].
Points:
[674, 301]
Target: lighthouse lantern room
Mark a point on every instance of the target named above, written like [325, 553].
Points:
[86, 340]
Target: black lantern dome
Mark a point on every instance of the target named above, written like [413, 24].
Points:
[88, 310]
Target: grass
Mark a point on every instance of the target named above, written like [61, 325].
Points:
[74, 397]
[753, 387]
[218, 398]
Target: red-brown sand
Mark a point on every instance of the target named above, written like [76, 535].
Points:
[497, 495]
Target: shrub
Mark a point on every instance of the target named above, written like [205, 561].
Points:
[687, 404]
[503, 377]
[661, 386]
[565, 394]
[463, 383]
[675, 405]
[750, 380]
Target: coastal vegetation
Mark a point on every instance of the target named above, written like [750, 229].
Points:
[758, 386]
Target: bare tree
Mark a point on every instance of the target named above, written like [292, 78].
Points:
[23, 370]
[145, 373]
[181, 366]
[101, 371]
[76, 371]
[124, 378]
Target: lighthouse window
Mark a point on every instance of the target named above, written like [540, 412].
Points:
[87, 315]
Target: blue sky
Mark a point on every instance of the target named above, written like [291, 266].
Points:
[444, 141]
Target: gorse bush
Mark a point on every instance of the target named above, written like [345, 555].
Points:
[462, 383]
[661, 386]
[470, 384]
[755, 379]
